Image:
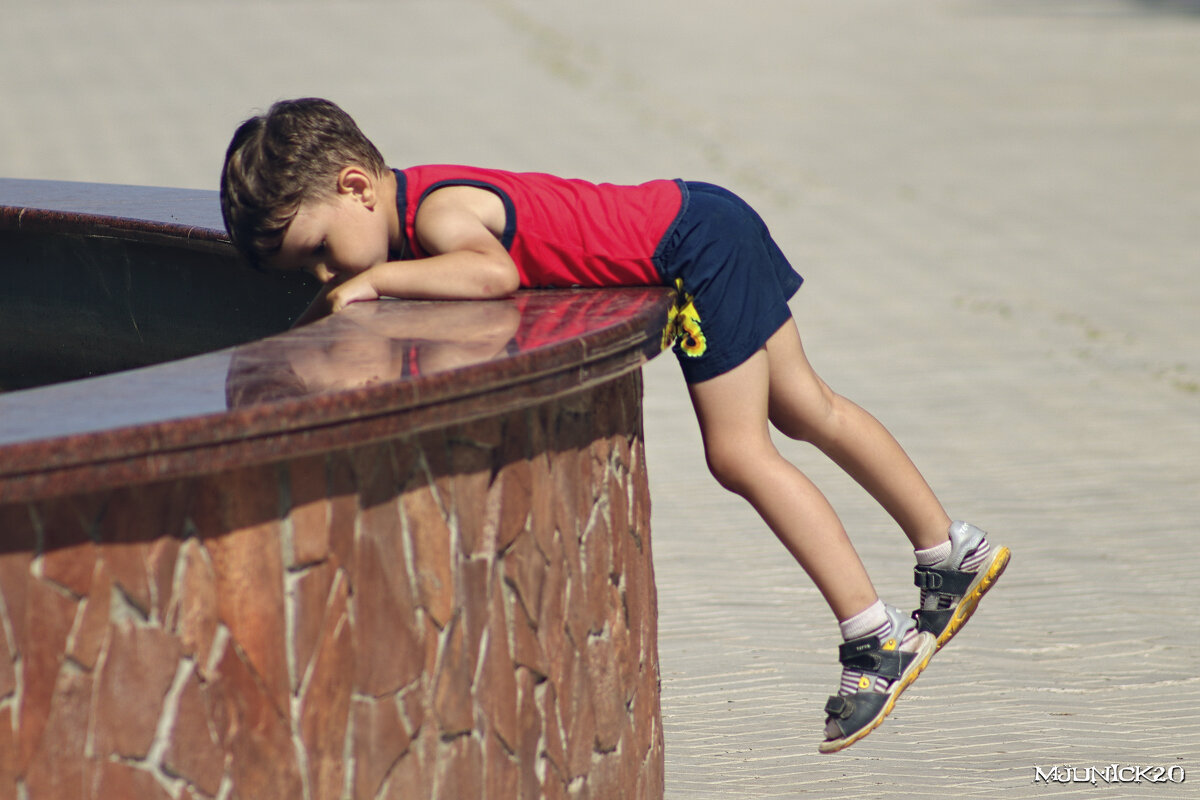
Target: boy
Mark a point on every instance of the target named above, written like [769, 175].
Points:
[302, 188]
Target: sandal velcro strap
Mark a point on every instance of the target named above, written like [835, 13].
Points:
[839, 707]
[867, 655]
[933, 620]
[943, 581]
[852, 713]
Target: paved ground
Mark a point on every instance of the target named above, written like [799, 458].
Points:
[996, 205]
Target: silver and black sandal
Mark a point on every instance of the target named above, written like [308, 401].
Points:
[876, 669]
[951, 589]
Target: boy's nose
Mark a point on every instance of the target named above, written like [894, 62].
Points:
[323, 273]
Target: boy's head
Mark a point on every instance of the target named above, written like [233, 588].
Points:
[280, 159]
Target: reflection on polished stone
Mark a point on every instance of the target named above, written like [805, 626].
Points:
[371, 344]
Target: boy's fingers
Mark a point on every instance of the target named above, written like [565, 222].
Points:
[337, 302]
[351, 292]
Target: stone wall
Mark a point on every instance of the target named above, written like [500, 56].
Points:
[468, 613]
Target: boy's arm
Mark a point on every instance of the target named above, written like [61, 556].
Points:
[466, 261]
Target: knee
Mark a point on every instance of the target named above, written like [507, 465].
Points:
[811, 421]
[732, 466]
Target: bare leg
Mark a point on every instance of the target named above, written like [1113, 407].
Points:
[803, 407]
[732, 410]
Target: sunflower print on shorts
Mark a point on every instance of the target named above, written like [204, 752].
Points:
[683, 325]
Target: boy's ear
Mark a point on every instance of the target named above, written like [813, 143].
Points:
[359, 182]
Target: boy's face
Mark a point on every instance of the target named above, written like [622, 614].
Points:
[335, 238]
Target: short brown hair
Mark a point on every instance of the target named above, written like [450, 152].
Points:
[280, 159]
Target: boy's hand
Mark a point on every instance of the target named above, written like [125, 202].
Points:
[357, 289]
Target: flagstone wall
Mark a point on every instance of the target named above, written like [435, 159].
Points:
[463, 613]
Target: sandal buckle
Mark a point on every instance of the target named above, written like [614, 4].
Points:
[927, 579]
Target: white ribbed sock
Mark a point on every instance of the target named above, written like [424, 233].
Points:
[934, 555]
[864, 622]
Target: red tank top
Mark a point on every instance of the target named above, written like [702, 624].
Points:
[560, 231]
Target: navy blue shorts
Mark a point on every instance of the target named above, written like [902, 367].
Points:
[734, 282]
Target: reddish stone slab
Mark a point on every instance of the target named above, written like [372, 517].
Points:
[460, 770]
[58, 769]
[430, 537]
[117, 781]
[254, 733]
[91, 620]
[137, 669]
[527, 751]
[380, 740]
[195, 752]
[472, 475]
[193, 616]
[525, 570]
[41, 641]
[389, 645]
[453, 693]
[497, 689]
[325, 703]
[236, 514]
[8, 756]
[309, 514]
[310, 604]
